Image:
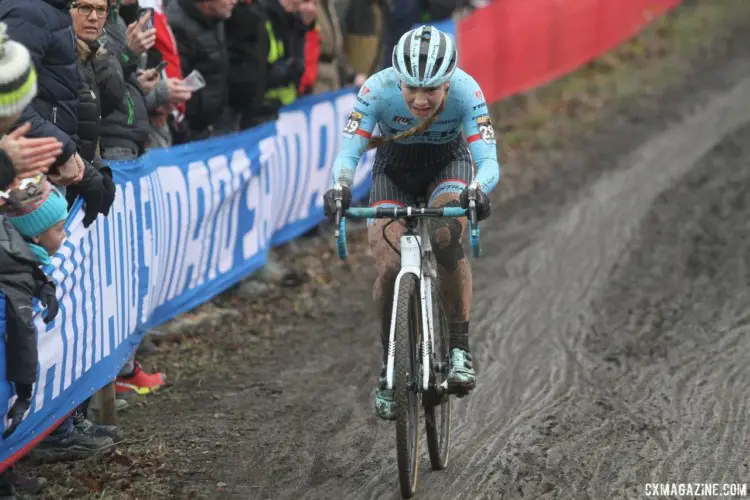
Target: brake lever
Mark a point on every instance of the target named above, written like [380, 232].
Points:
[472, 193]
[338, 195]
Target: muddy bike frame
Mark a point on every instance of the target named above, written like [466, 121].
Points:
[415, 251]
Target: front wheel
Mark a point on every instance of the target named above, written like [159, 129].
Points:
[437, 408]
[405, 375]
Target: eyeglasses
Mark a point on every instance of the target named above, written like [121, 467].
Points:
[86, 10]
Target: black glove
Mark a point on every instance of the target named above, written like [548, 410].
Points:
[48, 298]
[19, 409]
[483, 202]
[97, 190]
[329, 202]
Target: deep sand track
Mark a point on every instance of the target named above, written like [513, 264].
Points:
[611, 329]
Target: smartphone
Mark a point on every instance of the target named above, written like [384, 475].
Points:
[150, 23]
[194, 80]
[160, 67]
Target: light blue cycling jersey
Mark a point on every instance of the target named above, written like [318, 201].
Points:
[380, 102]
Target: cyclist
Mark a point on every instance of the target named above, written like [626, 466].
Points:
[421, 106]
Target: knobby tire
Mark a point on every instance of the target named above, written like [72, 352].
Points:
[407, 400]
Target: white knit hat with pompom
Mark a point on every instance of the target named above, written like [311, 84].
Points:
[17, 76]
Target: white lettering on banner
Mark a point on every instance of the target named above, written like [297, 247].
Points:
[240, 168]
[66, 329]
[89, 302]
[161, 240]
[147, 214]
[279, 173]
[292, 127]
[322, 117]
[196, 259]
[132, 274]
[221, 178]
[175, 209]
[51, 341]
[260, 201]
[107, 254]
[77, 327]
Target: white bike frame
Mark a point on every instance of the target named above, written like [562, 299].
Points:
[414, 250]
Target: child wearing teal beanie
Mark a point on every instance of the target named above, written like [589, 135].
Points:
[32, 219]
[38, 212]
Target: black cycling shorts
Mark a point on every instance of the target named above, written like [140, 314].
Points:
[404, 172]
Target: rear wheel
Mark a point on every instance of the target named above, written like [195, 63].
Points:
[437, 409]
[406, 397]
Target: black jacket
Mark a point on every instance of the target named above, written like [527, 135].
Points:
[127, 126]
[247, 42]
[46, 29]
[20, 280]
[201, 43]
[289, 29]
[102, 90]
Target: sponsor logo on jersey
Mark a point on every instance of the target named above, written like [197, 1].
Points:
[403, 120]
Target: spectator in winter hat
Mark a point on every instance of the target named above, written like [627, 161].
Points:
[30, 231]
[37, 211]
[19, 156]
[44, 27]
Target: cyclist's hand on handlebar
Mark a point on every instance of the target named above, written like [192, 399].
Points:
[329, 202]
[483, 202]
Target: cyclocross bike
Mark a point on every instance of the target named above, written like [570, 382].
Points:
[419, 342]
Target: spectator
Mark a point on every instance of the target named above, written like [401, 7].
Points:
[124, 132]
[101, 89]
[364, 28]
[198, 27]
[334, 69]
[247, 41]
[44, 27]
[286, 59]
[398, 22]
[312, 40]
[20, 157]
[102, 85]
[38, 215]
[166, 117]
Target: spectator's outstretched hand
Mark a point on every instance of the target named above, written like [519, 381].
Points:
[18, 410]
[148, 80]
[178, 91]
[97, 190]
[70, 172]
[30, 156]
[140, 41]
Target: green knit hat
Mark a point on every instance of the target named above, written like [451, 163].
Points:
[17, 76]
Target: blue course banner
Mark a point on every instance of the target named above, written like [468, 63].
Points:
[187, 223]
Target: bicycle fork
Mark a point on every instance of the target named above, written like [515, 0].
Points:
[413, 248]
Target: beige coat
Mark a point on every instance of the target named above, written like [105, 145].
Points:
[333, 65]
[363, 48]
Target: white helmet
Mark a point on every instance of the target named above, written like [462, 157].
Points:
[425, 57]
